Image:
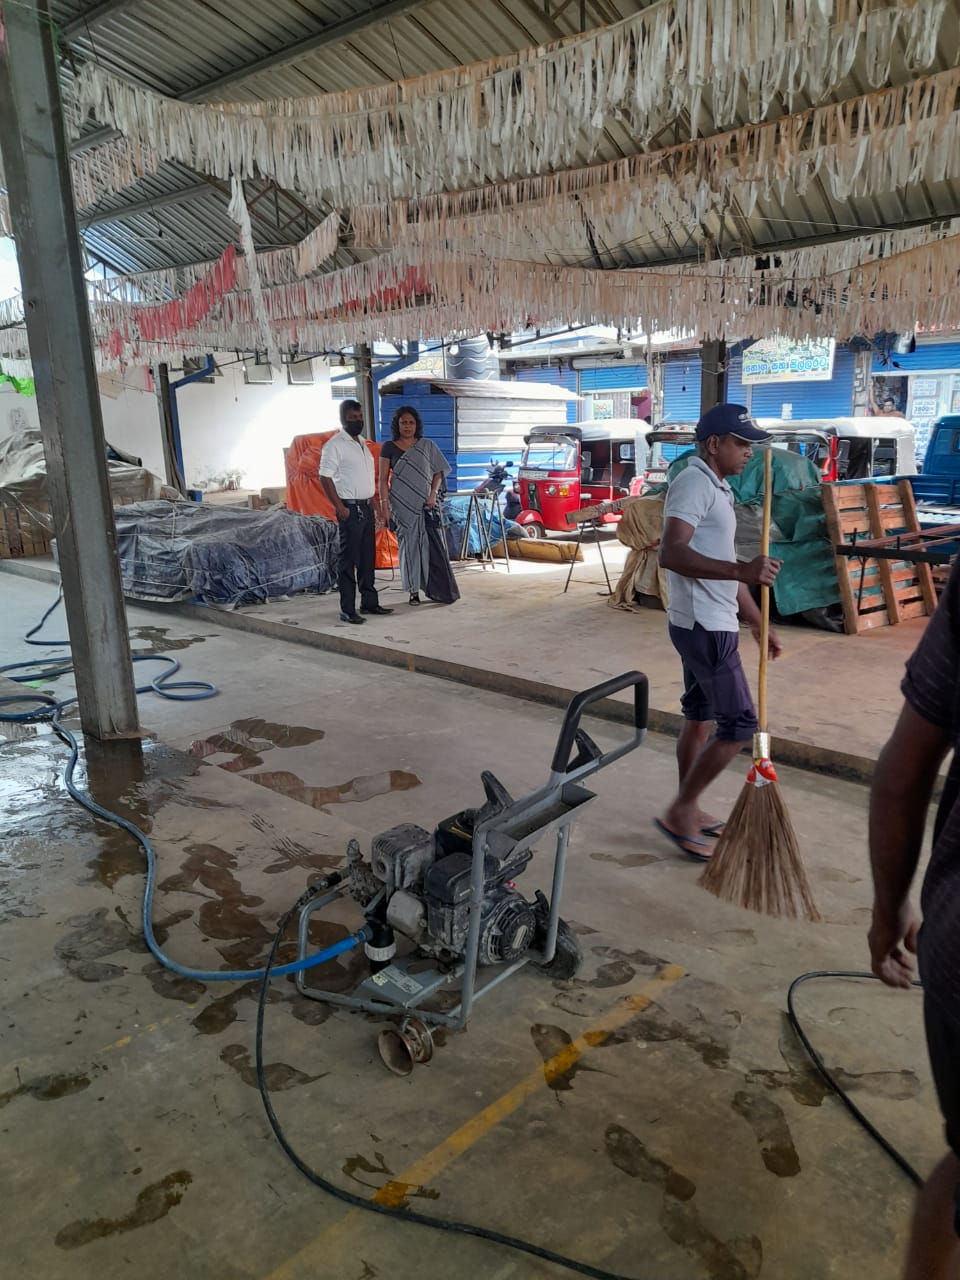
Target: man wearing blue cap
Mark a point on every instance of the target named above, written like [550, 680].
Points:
[708, 588]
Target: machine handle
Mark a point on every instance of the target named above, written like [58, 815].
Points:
[579, 703]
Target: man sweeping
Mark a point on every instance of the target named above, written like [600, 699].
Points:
[903, 783]
[708, 589]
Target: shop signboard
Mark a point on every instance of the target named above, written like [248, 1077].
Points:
[782, 360]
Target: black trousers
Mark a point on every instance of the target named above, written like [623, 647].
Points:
[357, 560]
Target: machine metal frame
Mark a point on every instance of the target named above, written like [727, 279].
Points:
[403, 985]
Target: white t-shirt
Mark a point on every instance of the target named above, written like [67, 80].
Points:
[349, 464]
[700, 498]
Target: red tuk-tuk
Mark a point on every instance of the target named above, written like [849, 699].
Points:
[566, 468]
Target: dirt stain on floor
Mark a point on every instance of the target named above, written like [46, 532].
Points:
[771, 1130]
[91, 937]
[625, 1150]
[627, 859]
[554, 1043]
[153, 1203]
[47, 1088]
[679, 1218]
[278, 1075]
[739, 1259]
[809, 1088]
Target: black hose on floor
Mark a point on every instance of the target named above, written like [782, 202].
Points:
[360, 1202]
[896, 1156]
[497, 1237]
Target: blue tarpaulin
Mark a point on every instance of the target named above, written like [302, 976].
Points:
[222, 555]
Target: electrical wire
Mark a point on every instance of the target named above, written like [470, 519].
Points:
[828, 1079]
[360, 1202]
[497, 1237]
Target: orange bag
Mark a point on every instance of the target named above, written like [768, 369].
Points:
[388, 553]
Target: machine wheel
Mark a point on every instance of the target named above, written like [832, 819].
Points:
[534, 530]
[567, 958]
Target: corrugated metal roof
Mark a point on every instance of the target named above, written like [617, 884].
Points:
[186, 48]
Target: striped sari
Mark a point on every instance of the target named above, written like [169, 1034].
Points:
[411, 477]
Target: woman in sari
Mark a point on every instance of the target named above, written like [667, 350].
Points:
[411, 471]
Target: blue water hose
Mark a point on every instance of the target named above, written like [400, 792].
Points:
[49, 710]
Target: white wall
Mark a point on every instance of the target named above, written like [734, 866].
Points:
[16, 412]
[224, 425]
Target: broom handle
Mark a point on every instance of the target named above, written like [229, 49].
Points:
[765, 591]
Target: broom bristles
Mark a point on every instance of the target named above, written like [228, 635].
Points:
[757, 863]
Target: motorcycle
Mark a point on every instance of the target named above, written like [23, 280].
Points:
[495, 481]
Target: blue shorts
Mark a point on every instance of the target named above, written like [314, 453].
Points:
[714, 684]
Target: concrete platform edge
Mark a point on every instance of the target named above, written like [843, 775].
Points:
[787, 751]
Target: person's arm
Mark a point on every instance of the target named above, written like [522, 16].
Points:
[903, 783]
[678, 556]
[750, 613]
[330, 489]
[383, 488]
[434, 489]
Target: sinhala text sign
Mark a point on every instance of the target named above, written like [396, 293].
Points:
[780, 360]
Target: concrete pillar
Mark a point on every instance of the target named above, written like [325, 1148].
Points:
[37, 174]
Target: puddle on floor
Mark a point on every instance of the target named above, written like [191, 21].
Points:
[159, 640]
[355, 790]
[246, 741]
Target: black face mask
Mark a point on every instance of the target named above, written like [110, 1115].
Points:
[353, 428]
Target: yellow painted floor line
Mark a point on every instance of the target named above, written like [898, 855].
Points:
[428, 1167]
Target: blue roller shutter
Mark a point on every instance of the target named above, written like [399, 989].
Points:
[833, 399]
[681, 388]
[927, 358]
[554, 376]
[617, 377]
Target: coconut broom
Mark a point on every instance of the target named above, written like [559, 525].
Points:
[756, 863]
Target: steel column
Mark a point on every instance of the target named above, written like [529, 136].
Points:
[363, 363]
[169, 430]
[713, 374]
[58, 328]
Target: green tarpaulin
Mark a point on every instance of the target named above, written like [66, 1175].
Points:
[22, 386]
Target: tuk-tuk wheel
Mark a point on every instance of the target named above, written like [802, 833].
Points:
[534, 530]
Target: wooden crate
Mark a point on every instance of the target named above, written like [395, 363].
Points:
[876, 592]
[21, 533]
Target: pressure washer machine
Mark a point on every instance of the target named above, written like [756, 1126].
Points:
[451, 894]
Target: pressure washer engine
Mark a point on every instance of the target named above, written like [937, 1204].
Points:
[452, 892]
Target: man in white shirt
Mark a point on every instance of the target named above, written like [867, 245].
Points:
[348, 479]
[707, 589]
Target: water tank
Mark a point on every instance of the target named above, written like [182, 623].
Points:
[472, 358]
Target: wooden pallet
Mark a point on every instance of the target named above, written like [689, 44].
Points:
[876, 592]
[21, 533]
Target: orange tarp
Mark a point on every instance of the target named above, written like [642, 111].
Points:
[305, 492]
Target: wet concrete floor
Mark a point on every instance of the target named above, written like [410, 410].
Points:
[654, 1115]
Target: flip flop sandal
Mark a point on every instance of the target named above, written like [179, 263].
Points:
[714, 831]
[682, 843]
